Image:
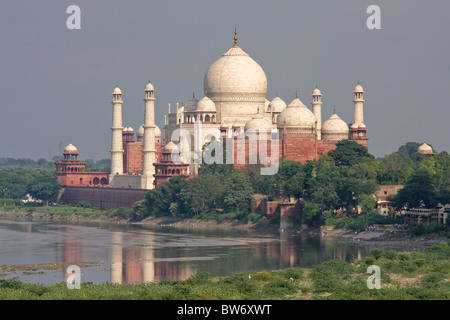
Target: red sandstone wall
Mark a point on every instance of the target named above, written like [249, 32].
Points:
[134, 158]
[104, 198]
[81, 179]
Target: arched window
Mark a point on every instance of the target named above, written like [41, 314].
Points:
[96, 181]
[207, 118]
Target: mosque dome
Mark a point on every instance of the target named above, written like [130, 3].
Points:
[425, 149]
[258, 123]
[206, 104]
[233, 75]
[71, 149]
[335, 125]
[191, 105]
[149, 87]
[277, 105]
[296, 115]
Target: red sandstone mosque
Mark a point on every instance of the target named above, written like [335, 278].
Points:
[234, 104]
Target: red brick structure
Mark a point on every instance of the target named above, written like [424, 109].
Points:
[169, 166]
[71, 171]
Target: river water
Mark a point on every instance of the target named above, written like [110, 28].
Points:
[139, 254]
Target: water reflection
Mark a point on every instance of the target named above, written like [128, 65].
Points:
[134, 254]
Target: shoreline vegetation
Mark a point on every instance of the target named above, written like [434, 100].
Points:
[413, 267]
[404, 276]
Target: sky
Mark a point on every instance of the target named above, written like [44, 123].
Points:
[56, 83]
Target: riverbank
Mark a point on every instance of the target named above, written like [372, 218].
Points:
[405, 276]
[190, 224]
[384, 238]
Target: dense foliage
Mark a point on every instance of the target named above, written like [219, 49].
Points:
[404, 276]
[345, 179]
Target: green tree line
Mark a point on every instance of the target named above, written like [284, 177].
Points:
[347, 177]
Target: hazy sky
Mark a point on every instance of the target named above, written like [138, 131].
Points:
[56, 84]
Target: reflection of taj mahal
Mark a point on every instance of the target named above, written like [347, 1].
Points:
[234, 102]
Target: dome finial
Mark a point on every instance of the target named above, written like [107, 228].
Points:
[235, 37]
[296, 94]
[334, 110]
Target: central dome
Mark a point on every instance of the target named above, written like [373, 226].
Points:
[235, 76]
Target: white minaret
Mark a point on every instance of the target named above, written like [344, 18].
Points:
[116, 145]
[317, 110]
[358, 100]
[149, 150]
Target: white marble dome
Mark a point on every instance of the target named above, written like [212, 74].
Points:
[359, 88]
[317, 92]
[296, 115]
[425, 149]
[235, 74]
[206, 104]
[70, 149]
[157, 131]
[191, 105]
[140, 132]
[149, 87]
[335, 125]
[170, 146]
[258, 123]
[277, 105]
[117, 90]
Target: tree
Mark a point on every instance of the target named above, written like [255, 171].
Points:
[418, 191]
[348, 153]
[238, 192]
[160, 198]
[45, 191]
[202, 193]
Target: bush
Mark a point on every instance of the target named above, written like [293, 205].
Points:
[124, 212]
[84, 204]
[278, 287]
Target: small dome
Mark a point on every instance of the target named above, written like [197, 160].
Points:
[296, 115]
[141, 131]
[359, 88]
[117, 90]
[149, 87]
[425, 149]
[130, 129]
[170, 146]
[277, 105]
[317, 92]
[206, 104]
[70, 149]
[157, 131]
[335, 125]
[191, 105]
[258, 123]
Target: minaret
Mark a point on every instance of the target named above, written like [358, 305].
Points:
[358, 100]
[317, 110]
[149, 150]
[116, 145]
[358, 130]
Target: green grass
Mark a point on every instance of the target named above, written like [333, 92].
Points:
[404, 276]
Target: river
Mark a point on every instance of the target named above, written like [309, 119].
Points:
[140, 254]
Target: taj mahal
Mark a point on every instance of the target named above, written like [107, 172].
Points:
[234, 102]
